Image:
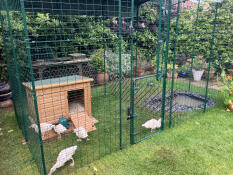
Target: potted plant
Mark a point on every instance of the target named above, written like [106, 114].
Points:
[230, 69]
[198, 68]
[97, 60]
[211, 72]
[140, 61]
[227, 90]
[112, 60]
[170, 69]
[154, 64]
[184, 71]
[141, 66]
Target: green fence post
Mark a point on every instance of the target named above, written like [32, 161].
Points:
[194, 42]
[104, 69]
[17, 74]
[165, 66]
[211, 54]
[33, 82]
[174, 62]
[136, 54]
[120, 71]
[159, 39]
[131, 76]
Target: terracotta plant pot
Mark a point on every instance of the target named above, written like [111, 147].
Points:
[155, 70]
[230, 71]
[100, 78]
[211, 74]
[230, 107]
[197, 74]
[140, 72]
[169, 75]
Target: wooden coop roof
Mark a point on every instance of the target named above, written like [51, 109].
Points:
[58, 82]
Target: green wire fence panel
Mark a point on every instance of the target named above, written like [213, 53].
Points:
[65, 73]
[92, 77]
[193, 43]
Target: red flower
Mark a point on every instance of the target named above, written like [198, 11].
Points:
[229, 77]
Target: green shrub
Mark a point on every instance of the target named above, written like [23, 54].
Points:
[222, 50]
[113, 63]
[97, 60]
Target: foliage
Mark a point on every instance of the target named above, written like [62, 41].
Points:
[170, 67]
[112, 60]
[222, 50]
[97, 60]
[3, 66]
[146, 42]
[88, 32]
[148, 13]
[212, 67]
[154, 61]
[184, 69]
[95, 31]
[198, 63]
[227, 89]
[20, 49]
[143, 64]
[145, 37]
[3, 70]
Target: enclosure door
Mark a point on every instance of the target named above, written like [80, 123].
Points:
[145, 108]
[142, 91]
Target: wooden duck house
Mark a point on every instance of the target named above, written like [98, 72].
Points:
[68, 97]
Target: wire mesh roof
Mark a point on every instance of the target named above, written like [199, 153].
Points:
[78, 7]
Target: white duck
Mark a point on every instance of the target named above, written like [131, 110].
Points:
[44, 127]
[59, 129]
[81, 133]
[152, 124]
[64, 156]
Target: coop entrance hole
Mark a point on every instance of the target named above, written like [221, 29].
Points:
[76, 101]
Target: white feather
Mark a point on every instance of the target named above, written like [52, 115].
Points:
[152, 124]
[35, 127]
[64, 156]
[159, 123]
[59, 129]
[81, 132]
[44, 127]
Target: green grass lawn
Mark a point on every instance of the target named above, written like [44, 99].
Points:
[201, 145]
[169, 150]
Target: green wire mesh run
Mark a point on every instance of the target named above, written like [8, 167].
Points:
[51, 46]
[79, 63]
